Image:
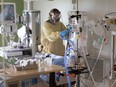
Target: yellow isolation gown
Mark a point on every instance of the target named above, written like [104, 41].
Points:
[50, 38]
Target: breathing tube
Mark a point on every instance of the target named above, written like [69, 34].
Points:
[64, 36]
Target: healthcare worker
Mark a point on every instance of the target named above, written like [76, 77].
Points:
[50, 37]
[50, 34]
[51, 41]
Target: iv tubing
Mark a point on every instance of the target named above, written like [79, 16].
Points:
[3, 35]
[113, 83]
[97, 57]
[65, 59]
[88, 67]
[65, 62]
[68, 77]
[3, 41]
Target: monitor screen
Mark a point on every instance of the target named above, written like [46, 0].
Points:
[9, 10]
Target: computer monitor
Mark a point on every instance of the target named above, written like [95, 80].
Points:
[9, 10]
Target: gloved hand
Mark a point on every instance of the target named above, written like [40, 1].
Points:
[64, 34]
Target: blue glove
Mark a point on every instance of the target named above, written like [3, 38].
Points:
[64, 34]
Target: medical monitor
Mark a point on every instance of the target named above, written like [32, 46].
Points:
[9, 10]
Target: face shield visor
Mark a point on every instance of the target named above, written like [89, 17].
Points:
[55, 17]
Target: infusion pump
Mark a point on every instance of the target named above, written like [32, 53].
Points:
[24, 81]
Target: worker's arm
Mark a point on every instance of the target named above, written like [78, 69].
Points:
[49, 32]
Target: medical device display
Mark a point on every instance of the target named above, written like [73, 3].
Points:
[31, 36]
[9, 11]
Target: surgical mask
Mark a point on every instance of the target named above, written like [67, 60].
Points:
[56, 16]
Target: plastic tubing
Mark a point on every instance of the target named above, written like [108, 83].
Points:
[88, 67]
[66, 68]
[3, 35]
[68, 77]
[96, 59]
[113, 83]
[65, 59]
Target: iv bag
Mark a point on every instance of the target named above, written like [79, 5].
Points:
[96, 44]
[98, 30]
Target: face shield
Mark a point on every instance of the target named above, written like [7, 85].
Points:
[55, 17]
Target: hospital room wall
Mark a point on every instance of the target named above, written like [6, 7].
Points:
[45, 6]
[96, 10]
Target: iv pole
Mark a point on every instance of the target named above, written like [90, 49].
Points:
[77, 76]
[3, 35]
[77, 5]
